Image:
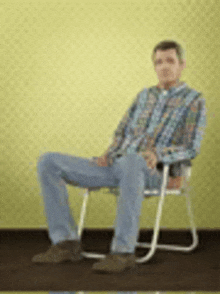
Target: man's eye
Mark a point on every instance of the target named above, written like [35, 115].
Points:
[170, 60]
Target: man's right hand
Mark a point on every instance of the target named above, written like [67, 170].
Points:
[102, 160]
[149, 156]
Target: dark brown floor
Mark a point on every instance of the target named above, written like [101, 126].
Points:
[166, 271]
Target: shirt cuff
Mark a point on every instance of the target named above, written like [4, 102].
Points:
[169, 157]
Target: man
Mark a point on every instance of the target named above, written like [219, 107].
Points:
[163, 125]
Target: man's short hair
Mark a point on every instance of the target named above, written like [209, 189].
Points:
[169, 44]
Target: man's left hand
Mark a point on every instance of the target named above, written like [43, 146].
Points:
[151, 158]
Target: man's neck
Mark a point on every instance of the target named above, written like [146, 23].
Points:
[167, 86]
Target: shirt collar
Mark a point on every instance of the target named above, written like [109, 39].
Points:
[172, 90]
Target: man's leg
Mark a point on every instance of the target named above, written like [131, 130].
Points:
[134, 176]
[131, 171]
[55, 170]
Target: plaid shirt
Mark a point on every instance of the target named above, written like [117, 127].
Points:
[133, 132]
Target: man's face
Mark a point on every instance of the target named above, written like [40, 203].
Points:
[167, 66]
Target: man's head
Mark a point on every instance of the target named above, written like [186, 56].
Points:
[168, 63]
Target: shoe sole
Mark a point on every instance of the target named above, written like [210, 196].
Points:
[62, 260]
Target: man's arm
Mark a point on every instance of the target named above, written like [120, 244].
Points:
[192, 133]
[119, 133]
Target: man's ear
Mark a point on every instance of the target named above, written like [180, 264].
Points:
[183, 64]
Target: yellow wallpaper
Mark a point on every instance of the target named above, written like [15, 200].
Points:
[69, 71]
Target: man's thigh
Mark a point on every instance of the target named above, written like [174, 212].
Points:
[136, 163]
[78, 171]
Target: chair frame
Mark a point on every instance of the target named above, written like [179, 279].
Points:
[184, 190]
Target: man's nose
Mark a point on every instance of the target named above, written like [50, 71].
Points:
[165, 69]
[165, 73]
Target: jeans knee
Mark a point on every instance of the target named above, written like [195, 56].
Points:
[44, 160]
[132, 162]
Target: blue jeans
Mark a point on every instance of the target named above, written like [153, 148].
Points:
[130, 173]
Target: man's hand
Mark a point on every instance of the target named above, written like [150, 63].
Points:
[102, 160]
[151, 158]
[171, 148]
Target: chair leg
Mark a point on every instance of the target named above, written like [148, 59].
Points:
[174, 247]
[83, 212]
[195, 237]
[80, 227]
[153, 244]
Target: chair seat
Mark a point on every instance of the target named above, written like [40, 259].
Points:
[175, 186]
[173, 183]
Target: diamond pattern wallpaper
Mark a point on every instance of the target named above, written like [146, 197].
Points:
[69, 71]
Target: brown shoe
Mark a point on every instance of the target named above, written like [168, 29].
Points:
[63, 251]
[115, 263]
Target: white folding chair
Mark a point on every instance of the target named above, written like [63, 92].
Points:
[167, 188]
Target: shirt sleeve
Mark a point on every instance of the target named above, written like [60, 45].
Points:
[193, 130]
[119, 133]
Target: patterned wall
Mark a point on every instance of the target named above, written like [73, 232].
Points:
[70, 69]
